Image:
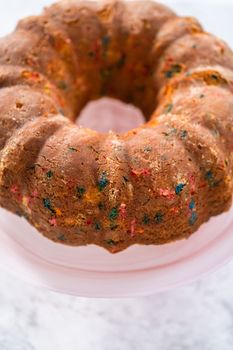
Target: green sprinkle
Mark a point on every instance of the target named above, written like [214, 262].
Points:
[101, 206]
[103, 181]
[49, 174]
[179, 188]
[193, 218]
[214, 77]
[121, 61]
[147, 149]
[168, 108]
[171, 132]
[113, 226]
[113, 214]
[125, 178]
[105, 73]
[215, 132]
[174, 70]
[62, 85]
[211, 179]
[183, 134]
[111, 242]
[80, 191]
[97, 226]
[62, 238]
[159, 217]
[72, 149]
[34, 166]
[146, 219]
[61, 111]
[141, 88]
[26, 216]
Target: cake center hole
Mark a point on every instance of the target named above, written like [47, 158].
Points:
[108, 114]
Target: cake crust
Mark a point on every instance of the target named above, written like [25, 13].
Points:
[152, 185]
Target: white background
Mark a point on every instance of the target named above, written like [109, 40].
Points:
[199, 316]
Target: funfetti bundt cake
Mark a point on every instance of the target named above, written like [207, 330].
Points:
[153, 185]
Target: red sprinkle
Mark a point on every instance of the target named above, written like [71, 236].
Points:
[35, 193]
[53, 222]
[192, 183]
[145, 172]
[89, 222]
[14, 189]
[141, 172]
[132, 227]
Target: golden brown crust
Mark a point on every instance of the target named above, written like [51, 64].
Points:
[152, 185]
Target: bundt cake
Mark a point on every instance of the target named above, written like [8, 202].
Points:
[152, 185]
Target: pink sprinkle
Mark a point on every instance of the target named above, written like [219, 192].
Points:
[145, 172]
[14, 189]
[122, 210]
[34, 76]
[133, 173]
[166, 193]
[35, 193]
[192, 183]
[141, 172]
[89, 222]
[132, 227]
[53, 222]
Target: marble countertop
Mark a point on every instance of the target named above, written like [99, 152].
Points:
[198, 316]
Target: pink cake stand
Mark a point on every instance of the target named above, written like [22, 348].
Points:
[93, 272]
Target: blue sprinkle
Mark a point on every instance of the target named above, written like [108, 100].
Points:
[183, 134]
[62, 238]
[105, 40]
[193, 218]
[103, 181]
[48, 205]
[209, 175]
[159, 217]
[192, 204]
[179, 188]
